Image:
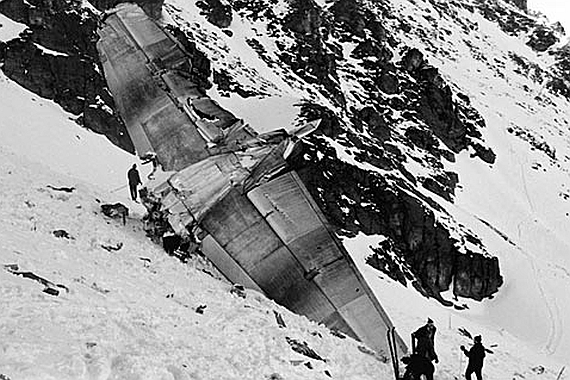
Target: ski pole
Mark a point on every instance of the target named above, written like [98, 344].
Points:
[460, 361]
[560, 373]
[117, 189]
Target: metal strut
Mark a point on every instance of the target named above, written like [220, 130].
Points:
[391, 338]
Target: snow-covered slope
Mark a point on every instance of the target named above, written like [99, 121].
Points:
[128, 313]
[517, 205]
[131, 313]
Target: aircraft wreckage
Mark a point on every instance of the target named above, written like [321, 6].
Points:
[261, 226]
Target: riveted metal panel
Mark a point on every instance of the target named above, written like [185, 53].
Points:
[282, 279]
[336, 322]
[230, 217]
[285, 207]
[156, 123]
[171, 131]
[363, 318]
[338, 282]
[254, 244]
[226, 264]
[315, 249]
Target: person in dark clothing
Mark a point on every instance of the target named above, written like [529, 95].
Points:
[134, 181]
[416, 366]
[423, 341]
[150, 157]
[476, 355]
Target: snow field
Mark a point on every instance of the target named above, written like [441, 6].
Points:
[130, 314]
[522, 196]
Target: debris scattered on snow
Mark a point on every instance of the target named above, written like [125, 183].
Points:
[304, 349]
[200, 309]
[115, 211]
[113, 247]
[63, 234]
[279, 319]
[64, 189]
[238, 290]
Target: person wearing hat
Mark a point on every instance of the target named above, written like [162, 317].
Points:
[476, 355]
[423, 341]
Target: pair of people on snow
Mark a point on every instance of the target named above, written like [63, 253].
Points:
[423, 353]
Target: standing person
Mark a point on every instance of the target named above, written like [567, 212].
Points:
[151, 157]
[476, 355]
[134, 180]
[423, 341]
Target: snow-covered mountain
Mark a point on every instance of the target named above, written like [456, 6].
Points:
[441, 159]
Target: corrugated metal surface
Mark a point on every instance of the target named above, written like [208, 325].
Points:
[165, 114]
[129, 41]
[285, 207]
[275, 237]
[265, 230]
[230, 217]
[243, 233]
[227, 265]
[293, 215]
[283, 279]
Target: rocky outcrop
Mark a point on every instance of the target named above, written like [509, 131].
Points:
[511, 21]
[56, 58]
[419, 248]
[475, 276]
[454, 122]
[560, 84]
[216, 12]
[312, 57]
[542, 38]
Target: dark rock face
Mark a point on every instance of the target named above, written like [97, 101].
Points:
[216, 13]
[418, 247]
[541, 39]
[312, 57]
[475, 275]
[376, 121]
[561, 84]
[511, 21]
[454, 122]
[305, 19]
[442, 185]
[352, 16]
[73, 78]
